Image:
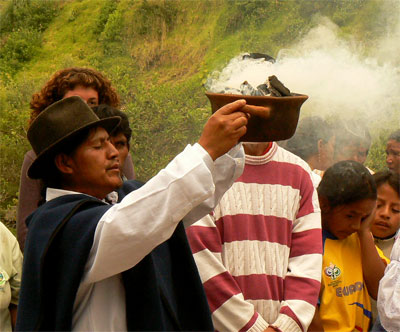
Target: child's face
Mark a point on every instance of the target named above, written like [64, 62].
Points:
[393, 156]
[387, 217]
[344, 220]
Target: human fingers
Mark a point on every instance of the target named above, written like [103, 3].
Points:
[239, 121]
[261, 111]
[231, 107]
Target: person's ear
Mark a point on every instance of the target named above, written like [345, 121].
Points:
[63, 163]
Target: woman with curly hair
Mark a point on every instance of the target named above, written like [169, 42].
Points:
[89, 84]
[94, 88]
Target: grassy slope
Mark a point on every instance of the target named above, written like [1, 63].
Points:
[158, 66]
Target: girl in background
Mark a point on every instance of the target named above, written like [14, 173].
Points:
[387, 216]
[387, 219]
[385, 228]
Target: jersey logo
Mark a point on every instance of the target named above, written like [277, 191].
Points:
[332, 271]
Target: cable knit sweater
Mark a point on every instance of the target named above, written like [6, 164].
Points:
[259, 253]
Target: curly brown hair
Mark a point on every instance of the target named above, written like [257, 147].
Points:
[68, 79]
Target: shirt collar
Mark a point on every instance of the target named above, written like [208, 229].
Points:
[52, 193]
[265, 158]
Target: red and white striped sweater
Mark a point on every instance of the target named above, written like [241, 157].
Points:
[259, 253]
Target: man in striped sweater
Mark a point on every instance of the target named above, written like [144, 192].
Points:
[259, 253]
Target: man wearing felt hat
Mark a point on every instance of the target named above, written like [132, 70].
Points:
[93, 266]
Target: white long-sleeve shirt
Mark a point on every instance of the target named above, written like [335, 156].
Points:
[389, 292]
[188, 188]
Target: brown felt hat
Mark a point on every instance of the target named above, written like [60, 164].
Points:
[58, 123]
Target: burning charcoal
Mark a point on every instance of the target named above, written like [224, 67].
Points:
[247, 89]
[258, 93]
[276, 87]
[266, 57]
[232, 91]
[272, 91]
[263, 89]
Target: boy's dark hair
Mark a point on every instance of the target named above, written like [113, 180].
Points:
[310, 130]
[395, 135]
[106, 111]
[347, 182]
[391, 178]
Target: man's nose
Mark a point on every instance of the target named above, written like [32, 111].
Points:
[112, 151]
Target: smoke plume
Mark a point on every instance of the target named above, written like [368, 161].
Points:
[334, 72]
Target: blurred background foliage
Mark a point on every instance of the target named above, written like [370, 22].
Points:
[157, 53]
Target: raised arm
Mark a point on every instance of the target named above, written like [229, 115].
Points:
[372, 263]
[145, 218]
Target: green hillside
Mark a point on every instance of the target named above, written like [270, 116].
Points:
[158, 55]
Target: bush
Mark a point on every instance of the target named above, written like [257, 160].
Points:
[28, 14]
[19, 48]
[164, 119]
[108, 8]
[21, 27]
[154, 18]
[13, 143]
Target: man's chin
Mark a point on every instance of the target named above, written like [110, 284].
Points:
[118, 184]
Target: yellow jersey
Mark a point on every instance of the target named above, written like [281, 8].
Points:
[344, 299]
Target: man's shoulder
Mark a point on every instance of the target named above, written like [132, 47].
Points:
[62, 207]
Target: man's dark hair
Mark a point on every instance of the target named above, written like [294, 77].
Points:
[395, 135]
[106, 111]
[52, 178]
[391, 178]
[310, 130]
[347, 182]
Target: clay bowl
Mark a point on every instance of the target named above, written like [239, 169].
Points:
[276, 119]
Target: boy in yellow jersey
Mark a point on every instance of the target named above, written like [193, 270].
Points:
[352, 266]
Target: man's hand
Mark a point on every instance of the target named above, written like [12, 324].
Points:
[224, 128]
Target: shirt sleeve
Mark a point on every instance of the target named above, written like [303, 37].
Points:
[225, 170]
[146, 217]
[382, 255]
[29, 197]
[15, 278]
[303, 281]
[230, 311]
[389, 292]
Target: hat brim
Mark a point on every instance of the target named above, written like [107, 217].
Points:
[38, 167]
